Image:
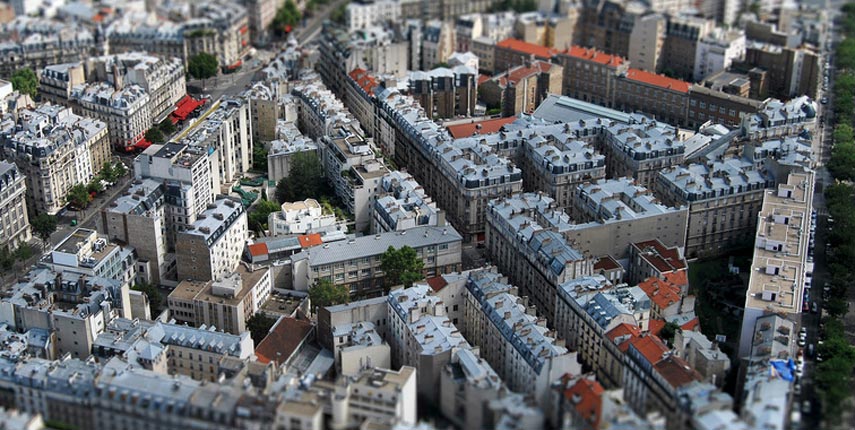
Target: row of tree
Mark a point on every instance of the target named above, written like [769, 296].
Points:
[834, 375]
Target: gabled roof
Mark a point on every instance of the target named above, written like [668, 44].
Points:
[488, 126]
[661, 257]
[623, 329]
[258, 249]
[283, 340]
[677, 371]
[586, 397]
[437, 283]
[655, 326]
[594, 55]
[662, 293]
[651, 347]
[310, 240]
[527, 48]
[657, 80]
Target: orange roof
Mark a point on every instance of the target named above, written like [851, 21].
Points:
[655, 326]
[623, 329]
[587, 398]
[651, 347]
[364, 80]
[693, 325]
[516, 74]
[487, 126]
[283, 340]
[482, 79]
[662, 293]
[517, 45]
[677, 371]
[594, 55]
[310, 240]
[680, 277]
[657, 80]
[257, 249]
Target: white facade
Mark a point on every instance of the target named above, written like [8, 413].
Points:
[718, 52]
[364, 15]
[14, 222]
[300, 218]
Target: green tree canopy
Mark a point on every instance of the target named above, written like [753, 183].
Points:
[324, 293]
[78, 196]
[25, 81]
[203, 66]
[154, 135]
[401, 266]
[305, 179]
[669, 331]
[43, 226]
[260, 212]
[287, 15]
[167, 127]
[258, 325]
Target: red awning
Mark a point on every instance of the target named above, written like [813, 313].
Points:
[185, 107]
[236, 64]
[142, 144]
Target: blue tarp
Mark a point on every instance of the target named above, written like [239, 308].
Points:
[783, 369]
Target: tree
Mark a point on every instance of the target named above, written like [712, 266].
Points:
[43, 226]
[324, 293]
[155, 298]
[108, 173]
[119, 170]
[260, 212]
[203, 66]
[25, 81]
[154, 135]
[167, 127]
[258, 325]
[78, 196]
[305, 180]
[669, 331]
[287, 16]
[401, 266]
[259, 158]
[94, 186]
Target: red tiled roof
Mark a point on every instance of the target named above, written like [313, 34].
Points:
[655, 326]
[677, 371]
[516, 74]
[664, 259]
[594, 55]
[283, 340]
[487, 126]
[257, 249]
[657, 80]
[437, 283]
[680, 277]
[310, 240]
[662, 293]
[693, 325]
[651, 347]
[482, 79]
[586, 396]
[623, 329]
[606, 263]
[527, 48]
[364, 80]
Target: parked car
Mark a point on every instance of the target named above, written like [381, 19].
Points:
[814, 308]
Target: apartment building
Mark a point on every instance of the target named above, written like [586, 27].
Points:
[467, 384]
[219, 28]
[523, 88]
[719, 106]
[211, 247]
[462, 176]
[777, 119]
[36, 42]
[437, 39]
[662, 97]
[14, 221]
[512, 339]
[304, 217]
[190, 180]
[422, 336]
[172, 349]
[358, 347]
[376, 49]
[653, 259]
[588, 74]
[402, 204]
[87, 253]
[360, 16]
[640, 150]
[373, 310]
[718, 51]
[138, 218]
[524, 245]
[289, 142]
[612, 214]
[355, 263]
[723, 198]
[514, 52]
[227, 131]
[54, 150]
[683, 33]
[77, 307]
[792, 72]
[446, 92]
[777, 279]
[226, 303]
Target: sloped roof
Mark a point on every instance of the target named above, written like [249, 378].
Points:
[662, 293]
[657, 80]
[488, 126]
[283, 340]
[310, 240]
[258, 249]
[525, 47]
[586, 396]
[594, 55]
